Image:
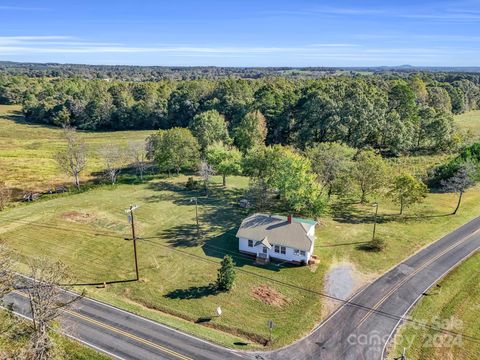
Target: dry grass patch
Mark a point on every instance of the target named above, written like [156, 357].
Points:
[269, 296]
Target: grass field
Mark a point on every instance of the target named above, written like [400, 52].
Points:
[87, 232]
[470, 122]
[454, 306]
[27, 151]
[14, 337]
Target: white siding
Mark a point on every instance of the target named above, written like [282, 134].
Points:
[243, 246]
[288, 256]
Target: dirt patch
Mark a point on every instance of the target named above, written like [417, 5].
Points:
[77, 216]
[269, 296]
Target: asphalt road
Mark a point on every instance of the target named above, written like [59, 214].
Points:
[359, 329]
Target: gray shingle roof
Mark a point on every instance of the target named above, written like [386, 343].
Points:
[278, 230]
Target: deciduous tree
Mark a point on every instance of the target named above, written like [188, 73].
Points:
[209, 128]
[369, 173]
[73, 159]
[176, 149]
[332, 163]
[114, 159]
[407, 190]
[460, 181]
[225, 160]
[251, 131]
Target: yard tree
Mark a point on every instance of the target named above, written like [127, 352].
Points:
[226, 274]
[407, 190]
[251, 131]
[331, 162]
[176, 149]
[5, 195]
[73, 159]
[205, 171]
[460, 181]
[209, 127]
[369, 173]
[47, 298]
[290, 174]
[225, 160]
[138, 154]
[114, 159]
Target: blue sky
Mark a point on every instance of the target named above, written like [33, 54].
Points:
[242, 32]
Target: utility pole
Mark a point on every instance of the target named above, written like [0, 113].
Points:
[375, 220]
[403, 355]
[131, 219]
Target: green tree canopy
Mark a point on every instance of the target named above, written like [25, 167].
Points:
[251, 131]
[226, 274]
[332, 163]
[407, 190]
[369, 173]
[225, 160]
[209, 127]
[176, 149]
[289, 174]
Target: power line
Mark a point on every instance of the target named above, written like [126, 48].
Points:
[297, 287]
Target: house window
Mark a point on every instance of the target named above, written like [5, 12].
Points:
[283, 250]
[296, 252]
[302, 253]
[276, 248]
[250, 243]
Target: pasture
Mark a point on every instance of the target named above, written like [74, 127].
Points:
[27, 151]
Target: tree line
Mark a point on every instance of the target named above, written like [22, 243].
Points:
[394, 113]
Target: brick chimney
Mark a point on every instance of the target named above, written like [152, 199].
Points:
[289, 218]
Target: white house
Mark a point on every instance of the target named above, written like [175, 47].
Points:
[272, 236]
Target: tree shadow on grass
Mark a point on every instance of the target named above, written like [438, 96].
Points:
[193, 292]
[183, 235]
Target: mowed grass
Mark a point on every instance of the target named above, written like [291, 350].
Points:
[470, 122]
[455, 306]
[87, 231]
[27, 151]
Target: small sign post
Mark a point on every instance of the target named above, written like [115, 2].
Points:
[271, 325]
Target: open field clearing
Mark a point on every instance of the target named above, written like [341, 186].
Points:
[27, 151]
[470, 122]
[455, 306]
[87, 232]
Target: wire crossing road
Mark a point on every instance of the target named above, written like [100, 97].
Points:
[360, 329]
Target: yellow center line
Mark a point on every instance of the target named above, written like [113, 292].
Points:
[395, 288]
[121, 332]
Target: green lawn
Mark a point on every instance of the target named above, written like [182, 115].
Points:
[87, 232]
[27, 151]
[454, 306]
[470, 122]
[14, 334]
